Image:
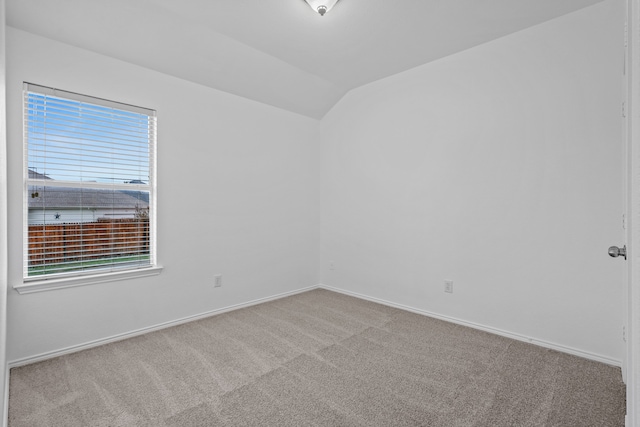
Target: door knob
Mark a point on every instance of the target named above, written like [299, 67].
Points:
[615, 251]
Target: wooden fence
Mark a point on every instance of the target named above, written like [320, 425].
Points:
[56, 243]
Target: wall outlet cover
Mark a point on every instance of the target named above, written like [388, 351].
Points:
[448, 286]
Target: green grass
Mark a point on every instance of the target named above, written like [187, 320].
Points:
[66, 267]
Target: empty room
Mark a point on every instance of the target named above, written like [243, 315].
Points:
[319, 212]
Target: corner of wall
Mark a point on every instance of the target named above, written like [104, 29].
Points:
[4, 370]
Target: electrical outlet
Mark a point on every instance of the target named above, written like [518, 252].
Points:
[217, 281]
[448, 286]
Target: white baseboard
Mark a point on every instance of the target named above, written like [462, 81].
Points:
[96, 343]
[72, 349]
[496, 331]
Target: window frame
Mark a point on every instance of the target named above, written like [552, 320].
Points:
[37, 283]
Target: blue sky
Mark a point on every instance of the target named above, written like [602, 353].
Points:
[78, 141]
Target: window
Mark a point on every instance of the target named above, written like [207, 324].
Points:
[89, 185]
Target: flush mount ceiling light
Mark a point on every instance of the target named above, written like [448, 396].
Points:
[321, 6]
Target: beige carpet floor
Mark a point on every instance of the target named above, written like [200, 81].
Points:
[317, 358]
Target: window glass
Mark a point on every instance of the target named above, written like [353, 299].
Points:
[90, 184]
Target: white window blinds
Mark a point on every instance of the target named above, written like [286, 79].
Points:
[89, 184]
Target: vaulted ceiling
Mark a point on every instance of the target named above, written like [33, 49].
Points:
[280, 52]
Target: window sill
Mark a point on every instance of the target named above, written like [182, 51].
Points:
[71, 282]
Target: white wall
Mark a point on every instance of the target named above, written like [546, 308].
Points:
[498, 168]
[238, 195]
[4, 381]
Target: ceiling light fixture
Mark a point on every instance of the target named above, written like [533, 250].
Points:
[321, 6]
